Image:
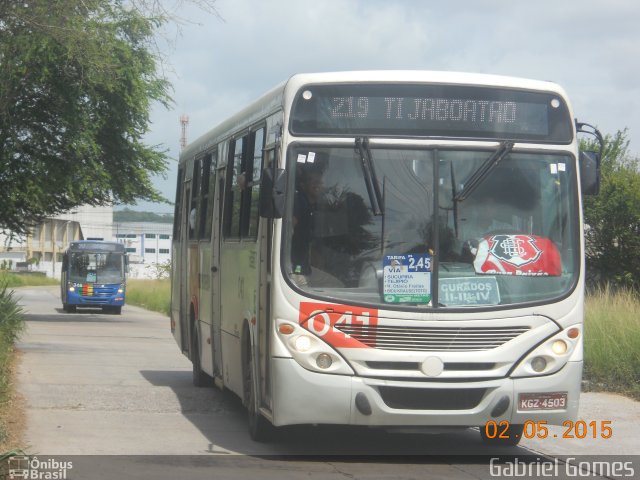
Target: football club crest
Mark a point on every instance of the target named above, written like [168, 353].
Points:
[528, 255]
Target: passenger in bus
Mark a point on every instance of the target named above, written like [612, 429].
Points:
[112, 270]
[306, 254]
[501, 204]
[309, 188]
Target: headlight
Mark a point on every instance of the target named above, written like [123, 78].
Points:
[309, 351]
[551, 355]
[302, 343]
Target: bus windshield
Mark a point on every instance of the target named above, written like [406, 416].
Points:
[102, 267]
[440, 228]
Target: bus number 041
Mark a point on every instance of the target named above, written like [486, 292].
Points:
[321, 322]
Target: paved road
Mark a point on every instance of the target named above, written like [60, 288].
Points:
[100, 384]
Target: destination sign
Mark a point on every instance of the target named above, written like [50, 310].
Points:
[96, 247]
[468, 291]
[449, 111]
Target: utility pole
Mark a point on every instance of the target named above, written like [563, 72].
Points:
[184, 121]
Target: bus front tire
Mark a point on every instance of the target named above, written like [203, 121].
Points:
[200, 378]
[260, 429]
[69, 308]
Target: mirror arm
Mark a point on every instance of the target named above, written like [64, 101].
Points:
[591, 130]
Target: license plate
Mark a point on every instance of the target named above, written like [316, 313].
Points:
[542, 401]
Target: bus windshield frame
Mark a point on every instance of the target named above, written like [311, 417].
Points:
[96, 262]
[537, 215]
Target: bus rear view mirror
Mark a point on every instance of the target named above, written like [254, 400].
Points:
[590, 172]
[272, 190]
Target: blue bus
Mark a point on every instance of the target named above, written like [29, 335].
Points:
[94, 275]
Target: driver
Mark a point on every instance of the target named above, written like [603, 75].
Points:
[308, 191]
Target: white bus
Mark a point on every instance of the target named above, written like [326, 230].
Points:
[388, 249]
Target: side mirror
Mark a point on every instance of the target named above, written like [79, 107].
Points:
[590, 173]
[273, 186]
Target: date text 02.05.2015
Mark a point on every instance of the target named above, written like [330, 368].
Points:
[578, 429]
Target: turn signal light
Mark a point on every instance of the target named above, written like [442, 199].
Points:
[285, 329]
[573, 333]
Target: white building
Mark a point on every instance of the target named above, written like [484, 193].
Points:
[148, 245]
[41, 249]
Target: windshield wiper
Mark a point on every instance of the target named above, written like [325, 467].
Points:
[481, 173]
[369, 173]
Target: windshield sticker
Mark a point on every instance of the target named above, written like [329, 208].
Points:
[302, 158]
[407, 278]
[527, 255]
[468, 291]
[311, 157]
[91, 277]
[554, 168]
[562, 167]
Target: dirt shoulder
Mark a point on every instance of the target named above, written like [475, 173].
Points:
[12, 413]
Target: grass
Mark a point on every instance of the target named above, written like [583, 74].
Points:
[153, 295]
[11, 326]
[12, 280]
[612, 341]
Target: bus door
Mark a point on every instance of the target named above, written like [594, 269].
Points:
[216, 300]
[265, 243]
[64, 278]
[181, 268]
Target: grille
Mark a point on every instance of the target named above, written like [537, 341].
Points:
[457, 367]
[431, 399]
[432, 339]
[99, 292]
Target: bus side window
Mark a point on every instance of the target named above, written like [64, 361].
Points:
[177, 213]
[195, 194]
[235, 184]
[208, 177]
[252, 193]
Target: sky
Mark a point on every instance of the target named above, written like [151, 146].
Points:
[219, 64]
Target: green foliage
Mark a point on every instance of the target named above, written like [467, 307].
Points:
[11, 326]
[613, 217]
[127, 215]
[160, 271]
[78, 81]
[26, 279]
[153, 295]
[612, 341]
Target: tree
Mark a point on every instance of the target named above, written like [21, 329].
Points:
[613, 217]
[78, 80]
[128, 215]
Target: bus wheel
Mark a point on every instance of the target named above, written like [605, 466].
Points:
[116, 310]
[260, 429]
[69, 308]
[199, 377]
[509, 437]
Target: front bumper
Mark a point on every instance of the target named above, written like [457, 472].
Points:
[304, 397]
